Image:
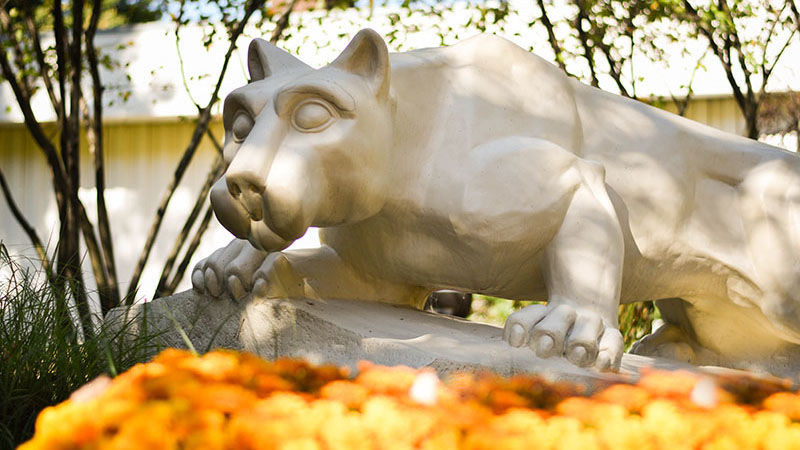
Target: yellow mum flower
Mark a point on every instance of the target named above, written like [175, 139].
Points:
[230, 400]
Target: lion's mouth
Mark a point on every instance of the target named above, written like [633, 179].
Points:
[262, 238]
[246, 221]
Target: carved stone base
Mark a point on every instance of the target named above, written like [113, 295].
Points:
[344, 332]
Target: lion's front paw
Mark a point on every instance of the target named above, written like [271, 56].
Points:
[228, 271]
[276, 278]
[580, 335]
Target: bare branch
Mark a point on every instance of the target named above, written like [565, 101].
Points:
[201, 229]
[202, 199]
[93, 249]
[180, 59]
[683, 104]
[771, 32]
[217, 169]
[282, 23]
[614, 69]
[588, 54]
[631, 58]
[24, 80]
[68, 270]
[71, 154]
[768, 70]
[26, 226]
[551, 36]
[33, 31]
[733, 38]
[63, 193]
[35, 129]
[200, 129]
[95, 137]
[584, 38]
[720, 53]
[61, 64]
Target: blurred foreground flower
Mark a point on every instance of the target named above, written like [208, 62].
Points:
[230, 400]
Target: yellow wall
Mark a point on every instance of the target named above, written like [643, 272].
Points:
[140, 161]
[721, 113]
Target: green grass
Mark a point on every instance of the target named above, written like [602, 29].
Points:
[635, 319]
[42, 359]
[494, 310]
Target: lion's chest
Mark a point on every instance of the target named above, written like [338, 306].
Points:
[435, 251]
[480, 225]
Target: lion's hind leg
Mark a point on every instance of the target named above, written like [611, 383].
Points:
[673, 339]
[770, 205]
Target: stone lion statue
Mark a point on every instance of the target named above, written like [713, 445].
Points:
[483, 168]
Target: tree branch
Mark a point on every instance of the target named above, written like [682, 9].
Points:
[614, 69]
[720, 54]
[72, 158]
[551, 36]
[26, 227]
[770, 33]
[33, 31]
[180, 58]
[201, 229]
[733, 42]
[683, 104]
[767, 71]
[282, 23]
[36, 131]
[630, 30]
[25, 81]
[96, 145]
[584, 38]
[169, 287]
[216, 171]
[200, 129]
[61, 64]
[68, 269]
[70, 154]
[63, 191]
[93, 249]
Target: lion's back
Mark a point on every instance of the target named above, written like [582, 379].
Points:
[496, 87]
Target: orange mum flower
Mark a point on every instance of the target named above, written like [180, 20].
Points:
[230, 400]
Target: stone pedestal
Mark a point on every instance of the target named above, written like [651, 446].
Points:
[344, 332]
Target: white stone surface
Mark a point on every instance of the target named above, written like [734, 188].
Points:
[345, 331]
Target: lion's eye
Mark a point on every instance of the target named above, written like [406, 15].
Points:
[311, 115]
[242, 124]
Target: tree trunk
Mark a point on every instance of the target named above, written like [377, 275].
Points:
[751, 120]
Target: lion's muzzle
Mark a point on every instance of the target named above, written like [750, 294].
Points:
[269, 211]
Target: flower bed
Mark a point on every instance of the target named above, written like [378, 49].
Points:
[236, 400]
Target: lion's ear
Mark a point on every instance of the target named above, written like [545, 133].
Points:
[265, 59]
[367, 56]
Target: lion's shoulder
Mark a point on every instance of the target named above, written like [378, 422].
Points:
[487, 52]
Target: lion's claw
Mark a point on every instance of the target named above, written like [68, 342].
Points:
[579, 335]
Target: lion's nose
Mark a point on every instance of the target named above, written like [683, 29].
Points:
[248, 189]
